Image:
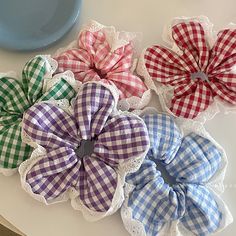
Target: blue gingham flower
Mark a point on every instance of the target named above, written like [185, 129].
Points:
[169, 194]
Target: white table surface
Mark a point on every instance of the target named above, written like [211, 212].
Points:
[149, 17]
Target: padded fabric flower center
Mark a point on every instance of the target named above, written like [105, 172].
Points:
[85, 148]
[199, 75]
[100, 73]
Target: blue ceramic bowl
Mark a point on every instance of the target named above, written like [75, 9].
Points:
[34, 24]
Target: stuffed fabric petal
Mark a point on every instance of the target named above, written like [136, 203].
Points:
[103, 54]
[50, 126]
[165, 137]
[13, 101]
[76, 60]
[223, 52]
[203, 215]
[196, 161]
[32, 77]
[166, 66]
[225, 93]
[192, 102]
[128, 84]
[61, 90]
[190, 38]
[97, 184]
[12, 150]
[198, 72]
[92, 108]
[122, 138]
[55, 173]
[153, 202]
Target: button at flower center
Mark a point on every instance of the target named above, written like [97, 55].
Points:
[199, 75]
[85, 148]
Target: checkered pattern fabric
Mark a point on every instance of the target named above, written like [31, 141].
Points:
[198, 74]
[94, 59]
[15, 99]
[154, 202]
[117, 138]
[164, 136]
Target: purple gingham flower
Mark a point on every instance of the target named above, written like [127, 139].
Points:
[117, 139]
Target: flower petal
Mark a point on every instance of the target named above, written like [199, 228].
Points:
[202, 215]
[50, 126]
[224, 92]
[61, 90]
[92, 108]
[165, 137]
[166, 66]
[122, 138]
[56, 172]
[90, 41]
[196, 161]
[12, 150]
[105, 59]
[97, 184]
[125, 63]
[193, 101]
[76, 60]
[33, 75]
[128, 84]
[190, 38]
[13, 101]
[223, 53]
[153, 202]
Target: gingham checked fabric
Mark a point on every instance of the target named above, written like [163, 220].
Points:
[155, 202]
[94, 60]
[117, 138]
[197, 73]
[15, 99]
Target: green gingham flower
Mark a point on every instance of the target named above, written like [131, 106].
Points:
[16, 97]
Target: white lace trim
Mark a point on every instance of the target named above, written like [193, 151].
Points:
[116, 39]
[67, 75]
[165, 94]
[8, 172]
[93, 215]
[50, 63]
[205, 22]
[135, 103]
[25, 167]
[215, 184]
[122, 169]
[11, 74]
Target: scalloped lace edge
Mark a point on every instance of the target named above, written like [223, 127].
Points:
[11, 74]
[134, 102]
[215, 184]
[115, 39]
[122, 170]
[164, 93]
[8, 172]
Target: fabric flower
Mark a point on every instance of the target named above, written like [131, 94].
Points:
[118, 142]
[15, 98]
[198, 70]
[169, 194]
[103, 54]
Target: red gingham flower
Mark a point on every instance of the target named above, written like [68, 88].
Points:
[103, 54]
[198, 72]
